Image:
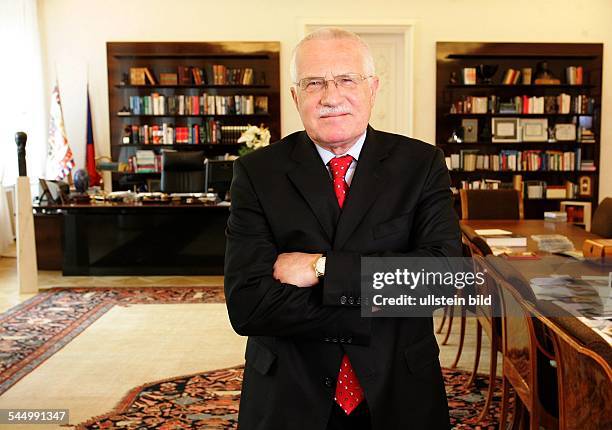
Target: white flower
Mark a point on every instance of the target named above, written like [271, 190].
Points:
[255, 137]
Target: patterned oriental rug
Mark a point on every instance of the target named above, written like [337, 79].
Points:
[210, 401]
[39, 327]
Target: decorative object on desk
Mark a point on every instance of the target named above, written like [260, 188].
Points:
[534, 129]
[81, 181]
[486, 72]
[565, 132]
[544, 76]
[453, 80]
[585, 188]
[505, 129]
[526, 73]
[455, 137]
[470, 130]
[254, 138]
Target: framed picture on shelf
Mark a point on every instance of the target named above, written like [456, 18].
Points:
[534, 129]
[585, 188]
[565, 132]
[470, 130]
[505, 130]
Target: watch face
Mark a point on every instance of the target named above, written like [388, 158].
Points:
[320, 266]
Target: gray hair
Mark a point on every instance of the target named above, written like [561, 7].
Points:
[328, 33]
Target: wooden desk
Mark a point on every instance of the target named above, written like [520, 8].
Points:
[530, 227]
[136, 239]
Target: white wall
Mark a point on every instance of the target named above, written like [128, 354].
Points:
[75, 32]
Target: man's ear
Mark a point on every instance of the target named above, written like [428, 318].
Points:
[294, 97]
[374, 89]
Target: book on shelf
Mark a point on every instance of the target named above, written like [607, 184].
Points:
[168, 79]
[150, 76]
[511, 77]
[574, 75]
[184, 76]
[137, 76]
[469, 75]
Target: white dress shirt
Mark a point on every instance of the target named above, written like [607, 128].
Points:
[354, 152]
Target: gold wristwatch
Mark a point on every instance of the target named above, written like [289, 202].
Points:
[319, 267]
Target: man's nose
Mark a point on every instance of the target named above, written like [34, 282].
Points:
[331, 94]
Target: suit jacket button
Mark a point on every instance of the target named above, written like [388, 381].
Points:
[358, 300]
[349, 340]
[326, 339]
[342, 340]
[343, 300]
[335, 340]
[351, 300]
[328, 382]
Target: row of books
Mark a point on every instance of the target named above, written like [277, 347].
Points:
[574, 75]
[530, 189]
[206, 104]
[210, 131]
[469, 160]
[213, 74]
[145, 161]
[561, 104]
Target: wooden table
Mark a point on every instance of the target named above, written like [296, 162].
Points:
[530, 227]
[552, 264]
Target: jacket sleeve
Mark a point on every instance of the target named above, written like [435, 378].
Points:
[435, 230]
[259, 305]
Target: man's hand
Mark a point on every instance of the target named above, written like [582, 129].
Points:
[296, 268]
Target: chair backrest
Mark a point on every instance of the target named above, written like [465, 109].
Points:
[478, 245]
[602, 219]
[584, 379]
[491, 204]
[524, 346]
[183, 172]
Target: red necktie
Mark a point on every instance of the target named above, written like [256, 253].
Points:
[348, 391]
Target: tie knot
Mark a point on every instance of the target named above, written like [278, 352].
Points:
[340, 165]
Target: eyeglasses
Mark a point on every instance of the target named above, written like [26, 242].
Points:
[347, 81]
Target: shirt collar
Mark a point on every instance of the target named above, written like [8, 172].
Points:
[354, 151]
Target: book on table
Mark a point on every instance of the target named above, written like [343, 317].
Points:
[502, 238]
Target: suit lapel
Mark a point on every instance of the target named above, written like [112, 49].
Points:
[368, 182]
[312, 180]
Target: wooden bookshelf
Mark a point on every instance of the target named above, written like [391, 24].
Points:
[453, 57]
[167, 57]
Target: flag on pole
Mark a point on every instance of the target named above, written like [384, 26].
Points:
[59, 155]
[94, 176]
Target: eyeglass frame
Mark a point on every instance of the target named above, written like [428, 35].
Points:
[301, 88]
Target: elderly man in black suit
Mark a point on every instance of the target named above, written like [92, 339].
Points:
[304, 211]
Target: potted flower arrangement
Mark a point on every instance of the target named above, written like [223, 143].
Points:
[254, 138]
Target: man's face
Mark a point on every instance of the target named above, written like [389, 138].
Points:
[334, 117]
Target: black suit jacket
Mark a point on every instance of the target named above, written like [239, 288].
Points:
[399, 204]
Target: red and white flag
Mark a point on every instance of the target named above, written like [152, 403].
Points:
[60, 161]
